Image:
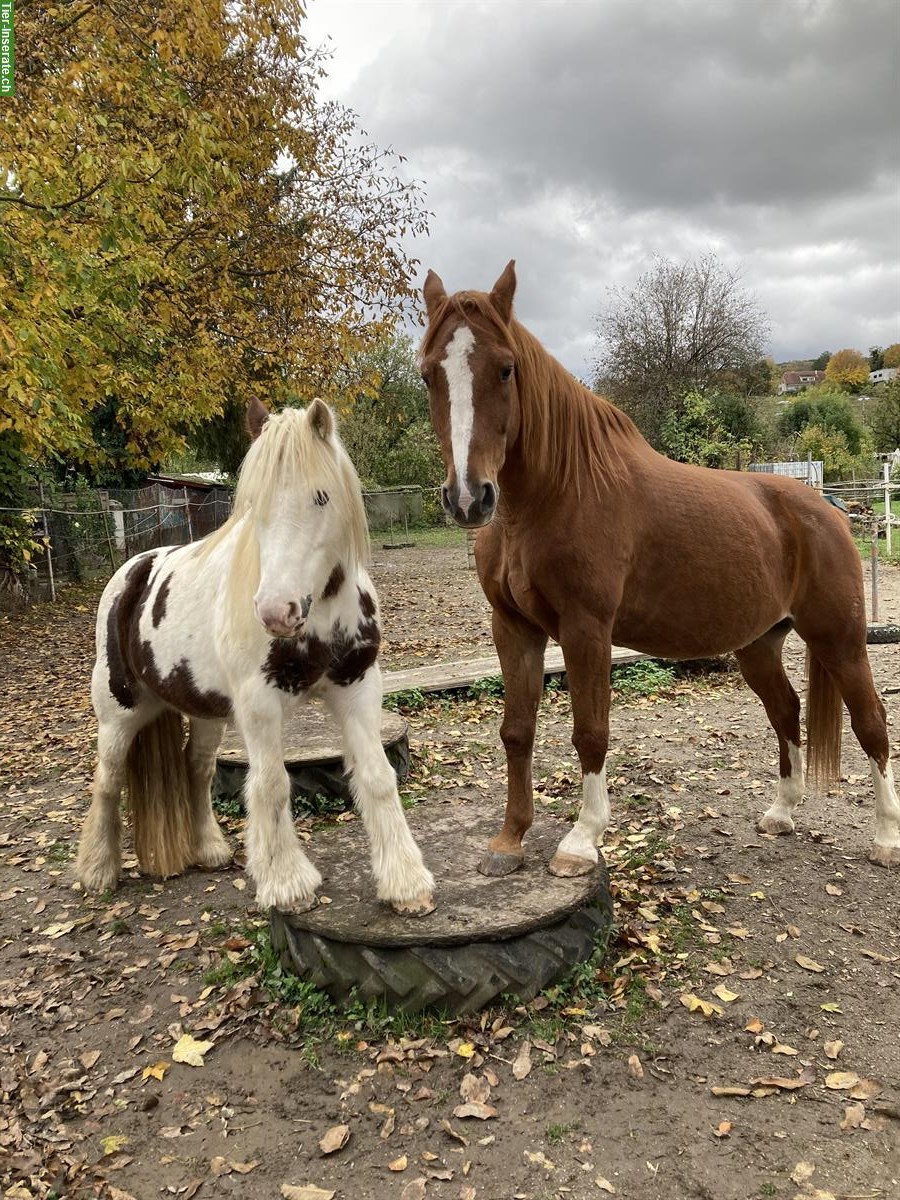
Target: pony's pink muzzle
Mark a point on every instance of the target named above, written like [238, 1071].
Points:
[282, 618]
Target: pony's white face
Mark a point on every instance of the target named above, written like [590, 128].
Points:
[469, 370]
[301, 532]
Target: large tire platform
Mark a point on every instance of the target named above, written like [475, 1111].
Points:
[487, 936]
[313, 753]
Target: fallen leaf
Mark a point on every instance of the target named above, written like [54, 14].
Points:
[483, 1112]
[399, 1164]
[833, 1049]
[465, 1050]
[780, 1048]
[335, 1139]
[158, 1070]
[451, 1132]
[473, 1090]
[305, 1191]
[808, 964]
[89, 1059]
[696, 1004]
[243, 1168]
[802, 1172]
[522, 1063]
[539, 1159]
[114, 1142]
[840, 1081]
[730, 1091]
[754, 1026]
[415, 1189]
[189, 1050]
[866, 1089]
[831, 1006]
[854, 1115]
[722, 1129]
[725, 994]
[604, 1185]
[635, 1067]
[833, 890]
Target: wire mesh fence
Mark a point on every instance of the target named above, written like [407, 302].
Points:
[87, 534]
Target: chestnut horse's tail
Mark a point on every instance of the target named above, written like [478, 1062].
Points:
[159, 796]
[824, 723]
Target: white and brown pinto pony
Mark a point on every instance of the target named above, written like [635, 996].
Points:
[273, 608]
[594, 539]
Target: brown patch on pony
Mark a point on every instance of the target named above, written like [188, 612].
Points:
[335, 582]
[567, 431]
[159, 797]
[160, 601]
[124, 614]
[294, 665]
[179, 688]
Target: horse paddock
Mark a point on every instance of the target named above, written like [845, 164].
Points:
[739, 1039]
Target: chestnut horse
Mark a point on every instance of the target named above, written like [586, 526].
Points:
[594, 538]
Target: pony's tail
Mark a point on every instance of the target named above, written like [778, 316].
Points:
[824, 724]
[159, 796]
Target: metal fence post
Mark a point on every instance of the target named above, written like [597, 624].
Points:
[47, 540]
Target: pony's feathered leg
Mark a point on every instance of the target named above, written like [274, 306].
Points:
[100, 846]
[284, 876]
[401, 877]
[209, 847]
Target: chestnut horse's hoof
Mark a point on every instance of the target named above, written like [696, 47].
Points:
[495, 864]
[885, 856]
[418, 906]
[568, 865]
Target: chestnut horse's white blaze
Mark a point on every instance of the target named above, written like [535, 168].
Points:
[274, 608]
[587, 553]
[462, 413]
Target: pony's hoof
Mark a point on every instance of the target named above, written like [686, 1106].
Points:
[296, 907]
[97, 880]
[495, 864]
[568, 865]
[418, 906]
[885, 856]
[213, 857]
[775, 825]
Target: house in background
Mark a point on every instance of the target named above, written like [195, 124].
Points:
[884, 375]
[796, 381]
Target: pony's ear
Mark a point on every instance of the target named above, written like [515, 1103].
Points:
[257, 415]
[321, 419]
[503, 291]
[434, 292]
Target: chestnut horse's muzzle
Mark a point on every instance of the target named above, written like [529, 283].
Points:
[470, 509]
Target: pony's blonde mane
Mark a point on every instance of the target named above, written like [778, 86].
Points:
[286, 457]
[567, 430]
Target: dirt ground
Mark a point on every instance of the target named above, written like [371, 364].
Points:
[611, 1085]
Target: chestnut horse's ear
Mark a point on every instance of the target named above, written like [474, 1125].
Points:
[257, 415]
[434, 292]
[321, 419]
[503, 291]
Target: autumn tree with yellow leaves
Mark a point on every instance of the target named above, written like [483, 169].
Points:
[182, 223]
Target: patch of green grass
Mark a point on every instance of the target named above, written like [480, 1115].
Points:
[410, 700]
[488, 688]
[228, 806]
[556, 1134]
[768, 1189]
[59, 853]
[320, 804]
[645, 678]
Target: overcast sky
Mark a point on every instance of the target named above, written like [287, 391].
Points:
[581, 137]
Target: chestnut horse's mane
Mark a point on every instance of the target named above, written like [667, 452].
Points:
[566, 428]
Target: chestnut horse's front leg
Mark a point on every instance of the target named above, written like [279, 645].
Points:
[520, 647]
[588, 654]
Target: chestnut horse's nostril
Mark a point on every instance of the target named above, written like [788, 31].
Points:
[445, 500]
[488, 498]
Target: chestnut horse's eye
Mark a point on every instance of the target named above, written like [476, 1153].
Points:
[505, 374]
[320, 498]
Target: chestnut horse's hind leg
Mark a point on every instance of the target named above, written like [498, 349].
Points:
[520, 648]
[850, 670]
[209, 847]
[588, 657]
[761, 666]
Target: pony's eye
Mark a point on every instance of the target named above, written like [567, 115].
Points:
[505, 374]
[320, 498]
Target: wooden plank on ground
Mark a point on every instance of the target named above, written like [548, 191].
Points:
[453, 676]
